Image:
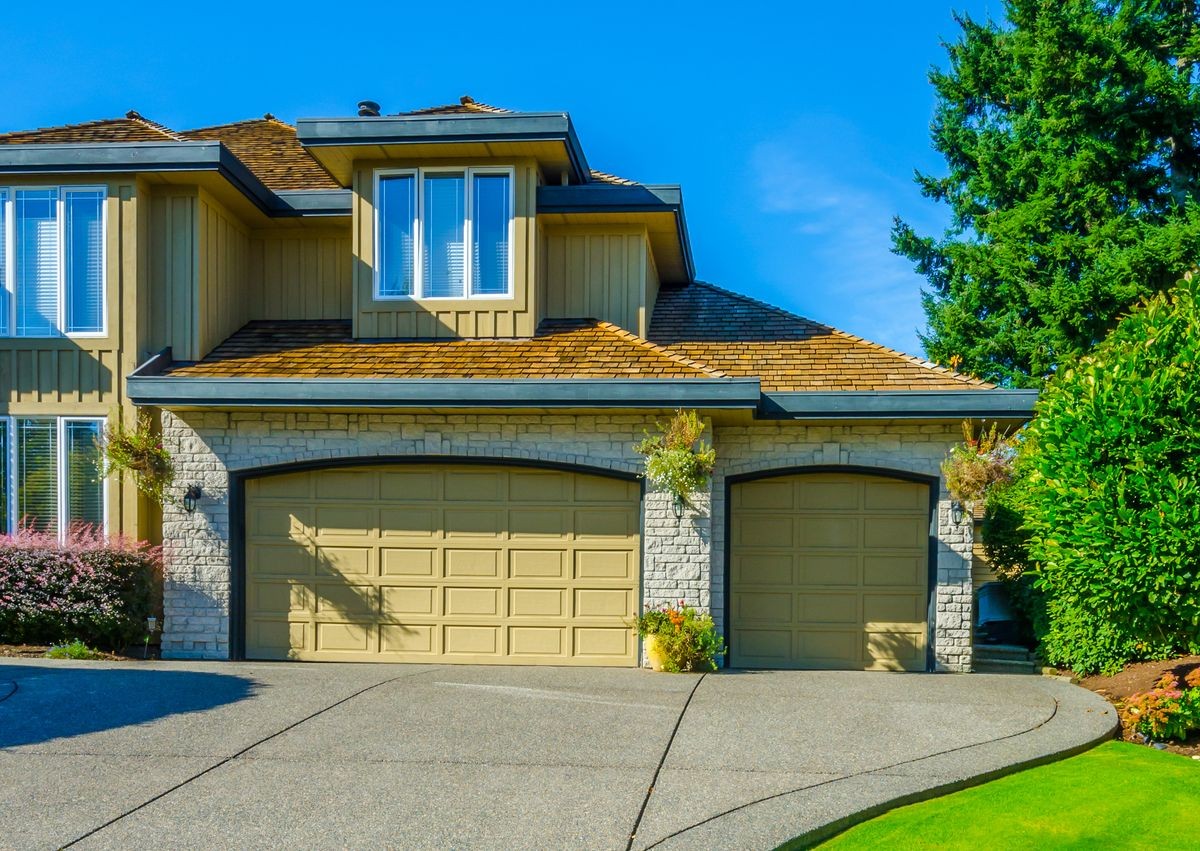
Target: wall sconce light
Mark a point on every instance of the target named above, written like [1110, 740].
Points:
[677, 506]
[190, 497]
[956, 512]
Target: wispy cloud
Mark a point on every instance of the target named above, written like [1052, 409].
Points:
[827, 247]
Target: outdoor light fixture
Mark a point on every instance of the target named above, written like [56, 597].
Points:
[956, 512]
[151, 626]
[190, 497]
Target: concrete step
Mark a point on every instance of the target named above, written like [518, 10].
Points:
[1005, 666]
[1004, 651]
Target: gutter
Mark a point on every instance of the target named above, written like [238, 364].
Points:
[898, 404]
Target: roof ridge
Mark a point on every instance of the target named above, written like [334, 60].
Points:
[674, 356]
[913, 359]
[267, 118]
[134, 115]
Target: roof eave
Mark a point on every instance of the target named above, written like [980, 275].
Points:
[983, 403]
[429, 129]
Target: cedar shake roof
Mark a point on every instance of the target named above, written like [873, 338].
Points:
[326, 349]
[268, 147]
[743, 337]
[132, 128]
[466, 104]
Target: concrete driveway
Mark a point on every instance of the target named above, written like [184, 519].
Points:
[220, 755]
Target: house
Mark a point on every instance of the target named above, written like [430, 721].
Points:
[402, 361]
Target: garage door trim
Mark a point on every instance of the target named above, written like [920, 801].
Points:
[237, 511]
[881, 472]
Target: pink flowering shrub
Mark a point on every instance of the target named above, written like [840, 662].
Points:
[90, 587]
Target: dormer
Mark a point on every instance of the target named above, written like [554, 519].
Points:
[473, 221]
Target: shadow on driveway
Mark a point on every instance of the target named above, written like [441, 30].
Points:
[53, 702]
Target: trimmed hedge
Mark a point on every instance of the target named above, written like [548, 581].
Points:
[1112, 500]
[95, 589]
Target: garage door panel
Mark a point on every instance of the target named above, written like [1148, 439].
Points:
[414, 485]
[444, 563]
[899, 608]
[829, 570]
[347, 485]
[472, 564]
[408, 599]
[829, 531]
[347, 521]
[408, 638]
[828, 495]
[345, 561]
[895, 569]
[604, 603]
[537, 564]
[883, 532]
[617, 565]
[291, 486]
[537, 603]
[538, 523]
[282, 559]
[595, 641]
[544, 641]
[827, 609]
[408, 561]
[472, 640]
[410, 523]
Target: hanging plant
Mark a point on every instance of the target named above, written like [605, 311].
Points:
[979, 463]
[139, 452]
[677, 460]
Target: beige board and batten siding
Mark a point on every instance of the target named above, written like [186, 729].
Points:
[301, 274]
[598, 272]
[222, 294]
[169, 298]
[513, 316]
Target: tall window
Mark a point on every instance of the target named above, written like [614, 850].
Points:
[51, 261]
[49, 469]
[443, 233]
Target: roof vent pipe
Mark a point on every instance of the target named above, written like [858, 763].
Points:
[368, 109]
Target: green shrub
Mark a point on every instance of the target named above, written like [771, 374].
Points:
[1112, 497]
[1168, 711]
[89, 587]
[75, 650]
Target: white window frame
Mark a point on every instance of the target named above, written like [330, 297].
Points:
[9, 284]
[60, 468]
[469, 173]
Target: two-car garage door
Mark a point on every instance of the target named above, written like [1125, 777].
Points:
[442, 563]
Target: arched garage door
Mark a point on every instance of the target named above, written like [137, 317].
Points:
[442, 563]
[829, 570]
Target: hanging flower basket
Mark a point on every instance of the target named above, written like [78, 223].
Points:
[677, 460]
[139, 452]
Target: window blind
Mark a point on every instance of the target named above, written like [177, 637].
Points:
[84, 487]
[5, 520]
[83, 254]
[37, 473]
[492, 210]
[443, 224]
[5, 301]
[36, 269]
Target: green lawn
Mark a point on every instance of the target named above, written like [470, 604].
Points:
[1117, 795]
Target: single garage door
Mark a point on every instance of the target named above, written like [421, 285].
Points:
[829, 571]
[471, 564]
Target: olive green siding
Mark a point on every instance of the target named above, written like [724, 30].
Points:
[172, 310]
[300, 274]
[598, 272]
[438, 318]
[222, 274]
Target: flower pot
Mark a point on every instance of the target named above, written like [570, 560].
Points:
[654, 653]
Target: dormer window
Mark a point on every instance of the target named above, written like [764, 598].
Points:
[443, 233]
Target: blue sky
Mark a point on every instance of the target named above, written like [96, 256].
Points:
[792, 127]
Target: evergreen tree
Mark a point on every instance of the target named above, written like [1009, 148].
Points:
[1071, 133]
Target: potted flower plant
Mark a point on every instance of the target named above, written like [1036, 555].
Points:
[138, 451]
[678, 638]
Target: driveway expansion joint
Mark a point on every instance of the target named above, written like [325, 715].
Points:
[7, 689]
[235, 756]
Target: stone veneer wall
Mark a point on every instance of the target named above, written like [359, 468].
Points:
[683, 557]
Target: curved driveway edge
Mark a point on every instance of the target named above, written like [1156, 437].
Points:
[859, 745]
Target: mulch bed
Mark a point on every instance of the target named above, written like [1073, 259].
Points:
[1140, 677]
[38, 651]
